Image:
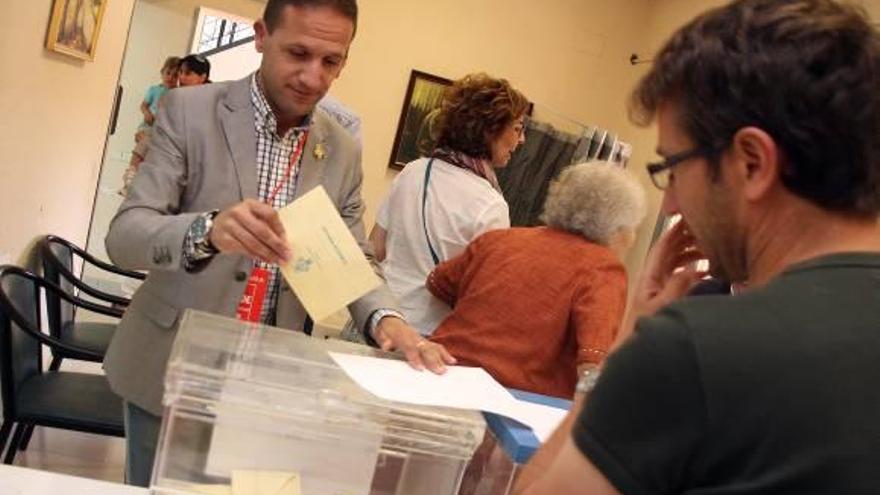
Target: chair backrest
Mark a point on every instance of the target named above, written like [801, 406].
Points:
[19, 352]
[57, 258]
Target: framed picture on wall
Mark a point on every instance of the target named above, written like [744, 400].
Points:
[416, 128]
[74, 27]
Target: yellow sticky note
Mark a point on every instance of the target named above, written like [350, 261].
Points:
[328, 269]
[265, 483]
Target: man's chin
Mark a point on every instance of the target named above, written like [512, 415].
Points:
[300, 110]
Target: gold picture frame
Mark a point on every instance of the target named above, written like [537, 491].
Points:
[74, 27]
[421, 105]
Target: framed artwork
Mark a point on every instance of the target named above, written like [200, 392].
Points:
[415, 135]
[74, 27]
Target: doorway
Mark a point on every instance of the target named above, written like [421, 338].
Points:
[221, 30]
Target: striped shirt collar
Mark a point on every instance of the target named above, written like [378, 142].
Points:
[265, 118]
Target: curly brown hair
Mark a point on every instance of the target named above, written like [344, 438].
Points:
[474, 111]
[806, 72]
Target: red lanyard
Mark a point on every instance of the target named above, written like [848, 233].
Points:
[250, 306]
[293, 164]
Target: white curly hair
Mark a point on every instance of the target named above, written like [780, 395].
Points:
[595, 200]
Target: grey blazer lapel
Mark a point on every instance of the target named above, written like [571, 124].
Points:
[315, 155]
[237, 119]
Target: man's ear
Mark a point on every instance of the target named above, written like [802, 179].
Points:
[260, 33]
[757, 160]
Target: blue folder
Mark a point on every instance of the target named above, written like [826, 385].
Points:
[517, 439]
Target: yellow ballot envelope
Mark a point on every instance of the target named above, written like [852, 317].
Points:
[265, 483]
[328, 269]
[211, 489]
[246, 482]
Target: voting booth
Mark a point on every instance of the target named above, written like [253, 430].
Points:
[252, 409]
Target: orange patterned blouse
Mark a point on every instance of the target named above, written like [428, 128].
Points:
[530, 305]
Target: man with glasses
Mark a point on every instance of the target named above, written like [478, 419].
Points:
[768, 120]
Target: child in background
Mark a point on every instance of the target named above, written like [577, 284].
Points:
[193, 70]
[150, 105]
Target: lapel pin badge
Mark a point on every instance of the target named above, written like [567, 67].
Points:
[319, 152]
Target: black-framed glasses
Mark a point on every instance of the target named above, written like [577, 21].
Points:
[661, 171]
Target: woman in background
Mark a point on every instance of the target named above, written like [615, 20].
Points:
[194, 70]
[534, 306]
[438, 204]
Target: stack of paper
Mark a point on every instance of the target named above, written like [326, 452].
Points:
[461, 387]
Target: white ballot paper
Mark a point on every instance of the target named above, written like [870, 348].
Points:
[460, 387]
[328, 269]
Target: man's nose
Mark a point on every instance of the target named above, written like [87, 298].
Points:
[669, 206]
[312, 75]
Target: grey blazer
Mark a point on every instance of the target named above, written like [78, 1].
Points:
[203, 156]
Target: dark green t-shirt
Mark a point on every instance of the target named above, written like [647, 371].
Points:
[773, 391]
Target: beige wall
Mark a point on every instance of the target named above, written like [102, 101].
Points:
[570, 55]
[567, 55]
[664, 18]
[55, 114]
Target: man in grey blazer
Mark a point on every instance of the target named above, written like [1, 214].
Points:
[201, 213]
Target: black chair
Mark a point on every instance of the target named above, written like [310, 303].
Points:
[34, 396]
[58, 257]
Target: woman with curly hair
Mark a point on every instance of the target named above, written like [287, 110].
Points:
[440, 203]
[533, 306]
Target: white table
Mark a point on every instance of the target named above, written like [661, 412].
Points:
[16, 480]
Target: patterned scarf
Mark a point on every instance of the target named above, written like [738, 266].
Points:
[481, 167]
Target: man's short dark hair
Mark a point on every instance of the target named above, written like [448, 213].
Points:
[275, 8]
[807, 72]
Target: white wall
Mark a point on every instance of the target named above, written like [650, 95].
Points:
[55, 114]
[159, 29]
[235, 63]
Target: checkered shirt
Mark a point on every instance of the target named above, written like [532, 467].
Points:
[273, 157]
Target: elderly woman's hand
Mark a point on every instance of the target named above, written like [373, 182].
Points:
[394, 334]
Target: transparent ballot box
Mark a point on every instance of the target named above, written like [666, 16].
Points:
[253, 409]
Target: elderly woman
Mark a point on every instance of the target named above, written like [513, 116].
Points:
[439, 204]
[533, 305]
